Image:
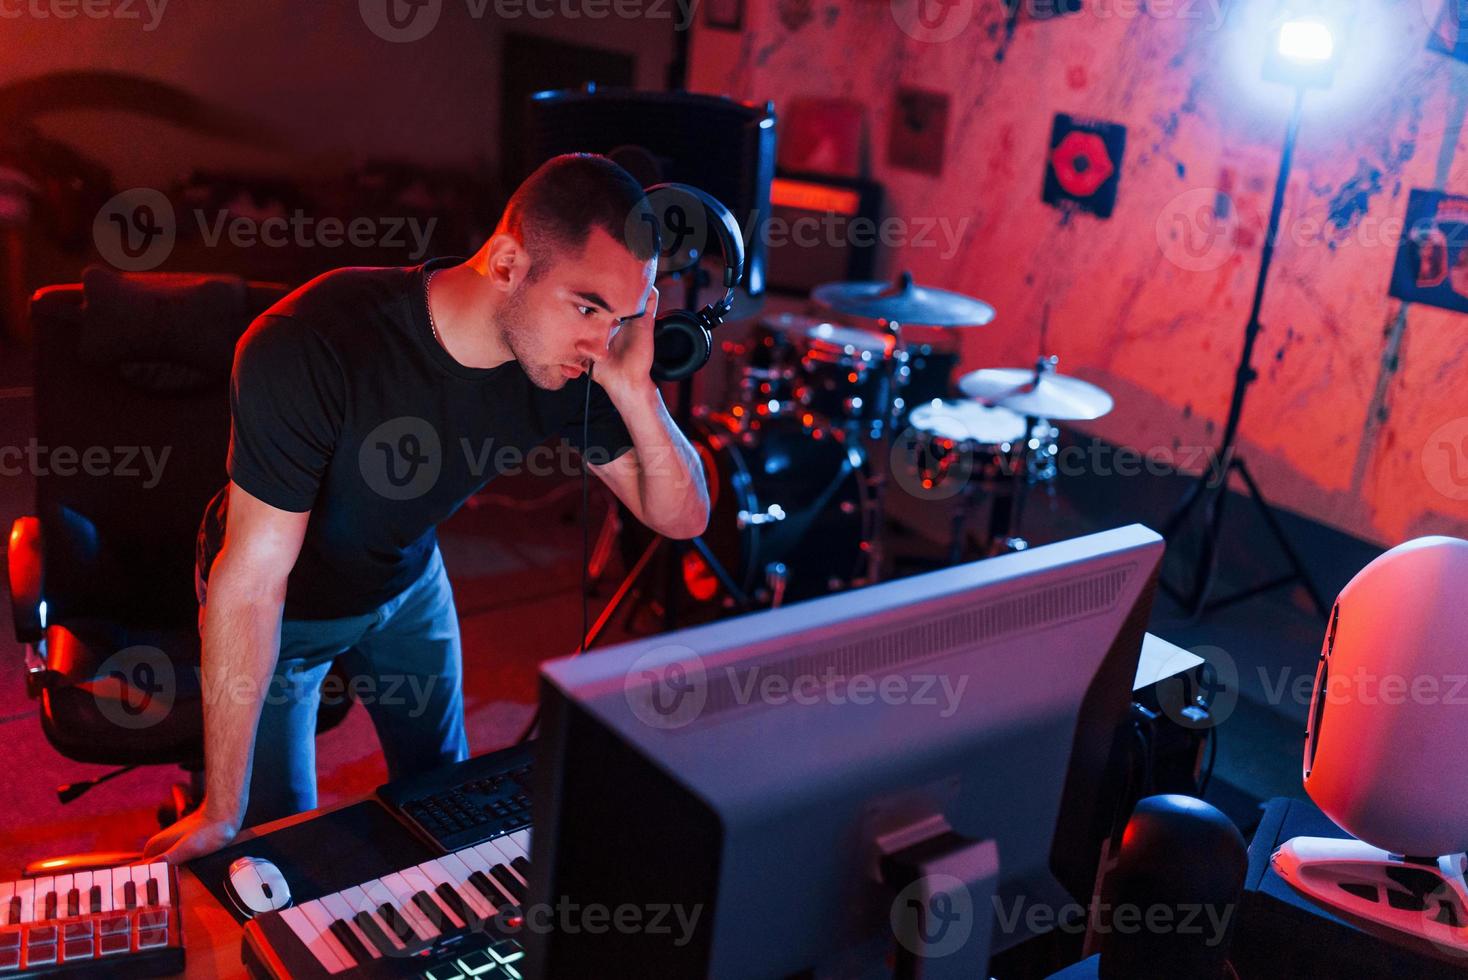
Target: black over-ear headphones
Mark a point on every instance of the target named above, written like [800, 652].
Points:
[683, 339]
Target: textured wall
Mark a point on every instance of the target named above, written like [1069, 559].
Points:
[1346, 423]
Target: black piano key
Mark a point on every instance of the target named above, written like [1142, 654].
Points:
[487, 889]
[349, 941]
[523, 866]
[129, 894]
[456, 904]
[153, 891]
[374, 933]
[512, 884]
[14, 917]
[400, 926]
[95, 898]
[437, 915]
[49, 905]
[74, 902]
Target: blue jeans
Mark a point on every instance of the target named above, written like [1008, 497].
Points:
[404, 665]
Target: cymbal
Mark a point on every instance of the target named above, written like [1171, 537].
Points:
[1057, 397]
[904, 301]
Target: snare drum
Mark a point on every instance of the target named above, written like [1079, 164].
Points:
[949, 445]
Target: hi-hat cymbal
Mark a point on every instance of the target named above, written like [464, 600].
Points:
[905, 302]
[1057, 397]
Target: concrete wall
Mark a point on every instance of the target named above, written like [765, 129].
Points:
[1360, 415]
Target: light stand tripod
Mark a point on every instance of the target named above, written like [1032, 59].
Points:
[1211, 487]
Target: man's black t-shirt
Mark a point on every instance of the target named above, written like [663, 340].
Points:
[344, 404]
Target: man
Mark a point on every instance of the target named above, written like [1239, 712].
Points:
[367, 406]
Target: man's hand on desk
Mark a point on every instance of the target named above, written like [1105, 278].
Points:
[194, 836]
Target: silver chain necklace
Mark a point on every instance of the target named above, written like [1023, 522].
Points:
[431, 325]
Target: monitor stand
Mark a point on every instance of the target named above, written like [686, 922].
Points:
[943, 888]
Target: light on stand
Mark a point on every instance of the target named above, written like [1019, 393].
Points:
[1302, 53]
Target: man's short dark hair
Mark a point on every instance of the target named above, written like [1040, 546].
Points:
[556, 207]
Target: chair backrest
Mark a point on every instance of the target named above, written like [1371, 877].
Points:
[132, 430]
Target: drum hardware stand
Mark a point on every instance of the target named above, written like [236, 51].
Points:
[1212, 494]
[673, 551]
[888, 440]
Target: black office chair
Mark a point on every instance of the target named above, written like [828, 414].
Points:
[132, 374]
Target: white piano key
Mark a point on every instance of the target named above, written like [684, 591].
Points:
[358, 900]
[322, 919]
[7, 889]
[403, 900]
[338, 908]
[419, 881]
[378, 895]
[120, 877]
[26, 889]
[140, 882]
[158, 871]
[62, 886]
[310, 937]
[439, 872]
[474, 861]
[103, 880]
[494, 857]
[521, 839]
[508, 853]
[82, 882]
[38, 903]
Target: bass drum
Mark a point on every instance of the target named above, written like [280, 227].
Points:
[783, 491]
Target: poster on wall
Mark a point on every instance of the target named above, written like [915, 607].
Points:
[1083, 169]
[1432, 259]
[919, 130]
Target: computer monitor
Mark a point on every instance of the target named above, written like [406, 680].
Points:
[709, 800]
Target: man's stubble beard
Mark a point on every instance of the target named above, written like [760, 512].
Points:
[515, 329]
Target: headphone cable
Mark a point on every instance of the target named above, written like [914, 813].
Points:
[534, 722]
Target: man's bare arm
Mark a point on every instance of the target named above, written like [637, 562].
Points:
[241, 643]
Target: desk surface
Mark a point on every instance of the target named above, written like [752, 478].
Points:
[212, 936]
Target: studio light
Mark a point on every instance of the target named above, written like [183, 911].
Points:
[1303, 54]
[1306, 41]
[1303, 51]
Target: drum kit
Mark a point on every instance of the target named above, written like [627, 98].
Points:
[826, 411]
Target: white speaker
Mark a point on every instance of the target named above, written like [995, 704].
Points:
[1384, 751]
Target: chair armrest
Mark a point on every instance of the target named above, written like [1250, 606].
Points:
[27, 567]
